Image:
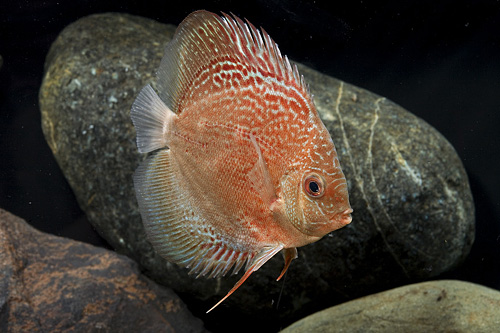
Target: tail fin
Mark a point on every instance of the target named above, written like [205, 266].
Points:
[151, 118]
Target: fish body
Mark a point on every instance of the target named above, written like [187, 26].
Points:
[243, 167]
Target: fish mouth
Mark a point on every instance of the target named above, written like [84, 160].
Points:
[345, 217]
[338, 221]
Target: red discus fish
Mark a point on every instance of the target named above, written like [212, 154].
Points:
[244, 167]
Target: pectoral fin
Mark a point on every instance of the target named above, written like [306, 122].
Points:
[260, 178]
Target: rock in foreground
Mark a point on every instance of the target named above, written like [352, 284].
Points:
[413, 211]
[436, 306]
[52, 284]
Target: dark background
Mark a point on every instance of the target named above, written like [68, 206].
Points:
[438, 59]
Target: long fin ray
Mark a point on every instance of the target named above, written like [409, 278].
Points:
[258, 261]
[151, 118]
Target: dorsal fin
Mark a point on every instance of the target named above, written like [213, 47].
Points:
[203, 37]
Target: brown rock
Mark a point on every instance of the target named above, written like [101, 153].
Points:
[52, 284]
[436, 306]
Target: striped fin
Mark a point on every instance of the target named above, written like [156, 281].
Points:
[204, 37]
[173, 225]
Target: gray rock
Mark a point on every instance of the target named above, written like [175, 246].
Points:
[52, 284]
[413, 211]
[436, 306]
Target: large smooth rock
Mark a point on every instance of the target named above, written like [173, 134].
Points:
[413, 211]
[436, 306]
[52, 284]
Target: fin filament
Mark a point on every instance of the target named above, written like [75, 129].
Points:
[260, 260]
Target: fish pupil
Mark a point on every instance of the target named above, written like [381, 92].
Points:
[313, 186]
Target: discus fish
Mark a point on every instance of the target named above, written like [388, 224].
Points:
[243, 167]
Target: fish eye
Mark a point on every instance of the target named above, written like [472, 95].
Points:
[314, 185]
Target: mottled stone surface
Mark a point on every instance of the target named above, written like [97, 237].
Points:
[436, 306]
[53, 284]
[413, 211]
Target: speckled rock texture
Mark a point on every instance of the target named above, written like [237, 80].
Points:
[413, 210]
[436, 306]
[53, 284]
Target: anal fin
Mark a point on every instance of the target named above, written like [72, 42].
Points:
[177, 228]
[168, 216]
